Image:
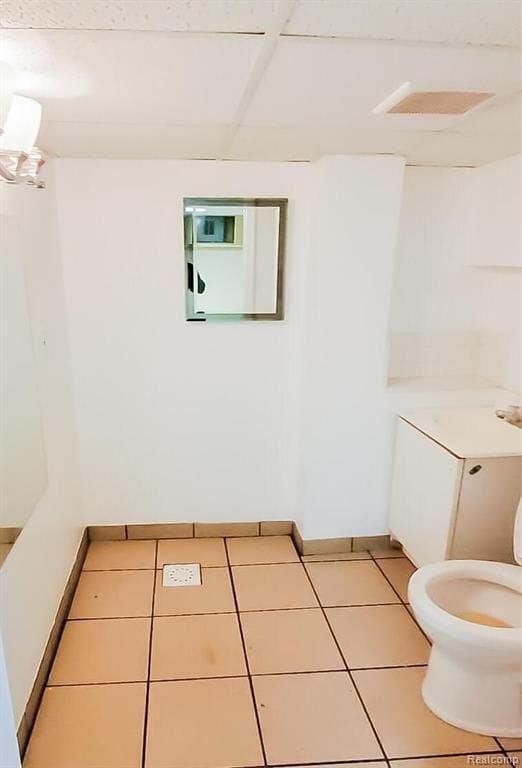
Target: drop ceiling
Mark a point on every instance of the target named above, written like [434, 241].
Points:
[266, 79]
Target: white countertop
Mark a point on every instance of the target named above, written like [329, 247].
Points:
[473, 432]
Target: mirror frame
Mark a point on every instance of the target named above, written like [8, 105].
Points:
[257, 202]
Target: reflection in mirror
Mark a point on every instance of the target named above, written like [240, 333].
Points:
[234, 257]
[23, 471]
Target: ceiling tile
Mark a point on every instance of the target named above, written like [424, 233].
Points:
[139, 141]
[334, 81]
[159, 15]
[494, 22]
[131, 77]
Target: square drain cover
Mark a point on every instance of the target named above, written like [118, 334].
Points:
[186, 575]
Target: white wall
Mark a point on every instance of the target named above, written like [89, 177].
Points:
[33, 577]
[177, 420]
[23, 472]
[497, 202]
[247, 421]
[345, 425]
[448, 318]
[184, 421]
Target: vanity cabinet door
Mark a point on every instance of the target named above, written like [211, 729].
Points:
[425, 489]
[485, 519]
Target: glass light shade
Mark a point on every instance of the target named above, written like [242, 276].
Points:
[22, 125]
[7, 83]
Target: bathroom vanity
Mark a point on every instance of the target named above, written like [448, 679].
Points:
[457, 480]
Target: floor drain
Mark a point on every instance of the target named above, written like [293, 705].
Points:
[186, 575]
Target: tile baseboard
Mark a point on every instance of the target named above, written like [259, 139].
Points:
[210, 530]
[326, 546]
[31, 708]
[262, 528]
[370, 542]
[107, 532]
[161, 531]
[279, 528]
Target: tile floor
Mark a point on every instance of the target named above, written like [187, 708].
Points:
[275, 660]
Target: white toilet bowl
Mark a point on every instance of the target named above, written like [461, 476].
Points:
[472, 612]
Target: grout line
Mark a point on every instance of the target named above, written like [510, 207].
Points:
[393, 759]
[97, 685]
[411, 614]
[116, 570]
[501, 747]
[388, 580]
[226, 677]
[147, 694]
[250, 610]
[256, 565]
[247, 663]
[361, 700]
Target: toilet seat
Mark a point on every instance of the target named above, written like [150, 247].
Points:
[477, 635]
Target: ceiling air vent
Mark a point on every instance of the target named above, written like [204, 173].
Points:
[439, 103]
[406, 101]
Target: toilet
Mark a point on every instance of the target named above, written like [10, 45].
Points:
[472, 612]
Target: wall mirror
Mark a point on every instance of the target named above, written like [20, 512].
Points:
[234, 258]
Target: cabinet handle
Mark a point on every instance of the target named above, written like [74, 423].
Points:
[475, 469]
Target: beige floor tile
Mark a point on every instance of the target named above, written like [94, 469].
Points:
[213, 596]
[461, 761]
[202, 724]
[373, 764]
[350, 583]
[197, 646]
[113, 594]
[102, 651]
[511, 743]
[98, 726]
[262, 549]
[289, 641]
[405, 725]
[398, 572]
[378, 636]
[336, 556]
[210, 553]
[262, 587]
[312, 718]
[120, 555]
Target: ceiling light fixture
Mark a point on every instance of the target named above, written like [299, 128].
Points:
[20, 117]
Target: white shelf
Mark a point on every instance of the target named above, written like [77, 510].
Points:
[473, 432]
